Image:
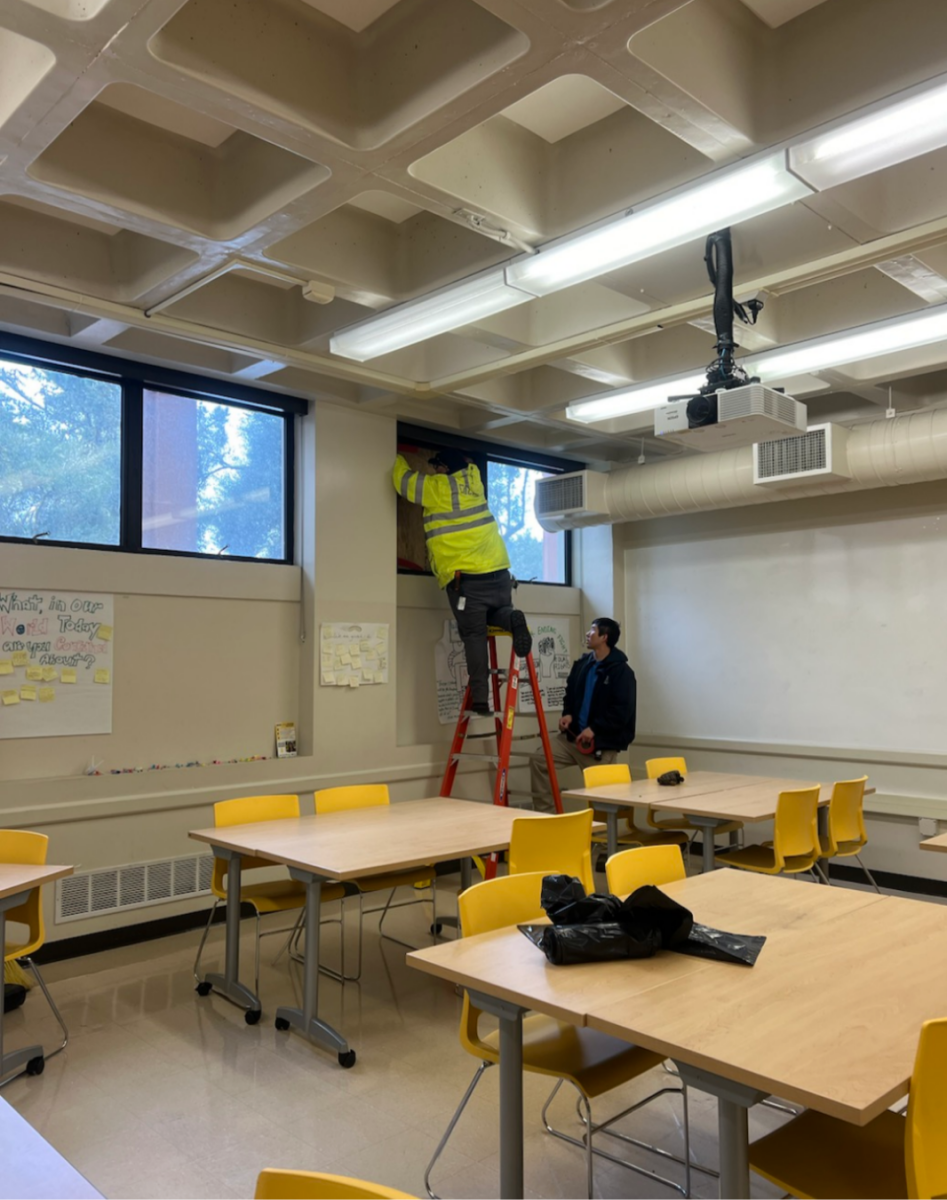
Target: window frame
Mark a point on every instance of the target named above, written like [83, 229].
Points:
[133, 379]
[483, 453]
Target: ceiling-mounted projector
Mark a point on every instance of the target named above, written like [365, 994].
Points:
[730, 417]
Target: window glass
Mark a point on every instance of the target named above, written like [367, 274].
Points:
[534, 554]
[60, 456]
[212, 478]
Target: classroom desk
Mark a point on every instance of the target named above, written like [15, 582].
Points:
[17, 880]
[339, 847]
[936, 843]
[784, 1026]
[31, 1168]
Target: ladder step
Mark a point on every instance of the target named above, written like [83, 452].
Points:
[489, 758]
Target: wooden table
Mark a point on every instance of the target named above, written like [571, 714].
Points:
[32, 1169]
[17, 880]
[343, 846]
[829, 1016]
[936, 843]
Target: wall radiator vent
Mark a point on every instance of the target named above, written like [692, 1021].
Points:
[819, 454]
[570, 501]
[138, 885]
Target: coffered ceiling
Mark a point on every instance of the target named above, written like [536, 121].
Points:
[225, 184]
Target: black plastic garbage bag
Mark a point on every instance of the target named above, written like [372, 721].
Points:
[567, 944]
[648, 911]
[704, 942]
[565, 903]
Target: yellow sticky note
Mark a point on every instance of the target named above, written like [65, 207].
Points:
[102, 676]
[354, 681]
[368, 676]
[69, 674]
[357, 661]
[365, 647]
[21, 658]
[49, 674]
[6, 666]
[47, 695]
[27, 693]
[105, 633]
[10, 697]
[328, 678]
[34, 673]
[379, 676]
[345, 657]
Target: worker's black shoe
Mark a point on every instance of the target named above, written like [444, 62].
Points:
[522, 638]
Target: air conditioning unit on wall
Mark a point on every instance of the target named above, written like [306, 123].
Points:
[817, 456]
[571, 501]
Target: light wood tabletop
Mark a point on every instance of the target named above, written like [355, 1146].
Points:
[32, 1169]
[754, 801]
[369, 841]
[22, 877]
[935, 843]
[643, 793]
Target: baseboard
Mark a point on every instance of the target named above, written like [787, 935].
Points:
[889, 881]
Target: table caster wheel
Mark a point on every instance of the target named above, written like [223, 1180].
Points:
[347, 1059]
[281, 1024]
[203, 988]
[36, 1065]
[252, 1015]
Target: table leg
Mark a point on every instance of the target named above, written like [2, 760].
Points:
[733, 1100]
[611, 828]
[706, 825]
[511, 1091]
[228, 984]
[466, 867]
[306, 1019]
[30, 1058]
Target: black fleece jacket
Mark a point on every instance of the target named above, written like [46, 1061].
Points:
[614, 699]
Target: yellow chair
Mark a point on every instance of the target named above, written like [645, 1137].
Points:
[592, 1062]
[273, 896]
[816, 1155]
[273, 1184]
[846, 825]
[555, 845]
[374, 795]
[795, 846]
[606, 773]
[659, 766]
[29, 849]
[632, 869]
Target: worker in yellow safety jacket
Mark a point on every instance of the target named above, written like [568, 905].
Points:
[469, 558]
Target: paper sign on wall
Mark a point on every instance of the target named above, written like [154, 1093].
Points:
[56, 638]
[353, 655]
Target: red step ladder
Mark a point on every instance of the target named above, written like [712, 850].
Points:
[504, 717]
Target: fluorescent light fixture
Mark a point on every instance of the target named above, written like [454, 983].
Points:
[892, 134]
[420, 319]
[724, 199]
[852, 345]
[633, 400]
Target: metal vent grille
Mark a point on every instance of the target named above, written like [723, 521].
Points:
[789, 456]
[138, 885]
[563, 493]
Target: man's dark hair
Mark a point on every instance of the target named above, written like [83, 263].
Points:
[608, 629]
[453, 460]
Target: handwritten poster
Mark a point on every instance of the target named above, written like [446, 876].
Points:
[550, 654]
[353, 656]
[56, 671]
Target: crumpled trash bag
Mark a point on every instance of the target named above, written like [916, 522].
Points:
[599, 928]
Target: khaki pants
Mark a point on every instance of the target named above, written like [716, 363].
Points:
[565, 754]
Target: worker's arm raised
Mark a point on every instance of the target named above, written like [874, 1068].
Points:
[432, 491]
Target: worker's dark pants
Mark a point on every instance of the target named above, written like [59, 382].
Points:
[488, 601]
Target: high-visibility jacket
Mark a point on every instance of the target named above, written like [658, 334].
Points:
[460, 531]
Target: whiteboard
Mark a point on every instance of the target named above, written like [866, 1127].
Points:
[55, 663]
[828, 636]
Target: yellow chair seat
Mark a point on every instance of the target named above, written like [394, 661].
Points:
[14, 950]
[282, 895]
[594, 1061]
[818, 1156]
[840, 849]
[763, 858]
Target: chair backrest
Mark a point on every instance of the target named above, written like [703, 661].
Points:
[606, 773]
[25, 848]
[555, 845]
[796, 829]
[494, 904]
[846, 820]
[357, 795]
[657, 766]
[246, 810]
[273, 1184]
[631, 869]
[925, 1148]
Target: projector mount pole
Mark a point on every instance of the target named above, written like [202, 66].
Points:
[723, 371]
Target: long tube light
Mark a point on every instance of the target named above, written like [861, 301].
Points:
[626, 401]
[725, 199]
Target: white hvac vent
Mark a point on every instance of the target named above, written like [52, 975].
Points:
[570, 501]
[138, 885]
[819, 455]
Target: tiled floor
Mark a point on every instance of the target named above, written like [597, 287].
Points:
[163, 1094]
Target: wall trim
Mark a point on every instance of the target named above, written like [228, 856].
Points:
[899, 758]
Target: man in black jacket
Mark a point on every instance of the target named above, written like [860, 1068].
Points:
[598, 716]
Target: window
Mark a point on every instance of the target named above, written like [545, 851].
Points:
[98, 452]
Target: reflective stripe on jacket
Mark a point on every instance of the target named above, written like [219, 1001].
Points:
[459, 529]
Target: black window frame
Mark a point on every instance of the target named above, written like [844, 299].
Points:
[482, 453]
[134, 378]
